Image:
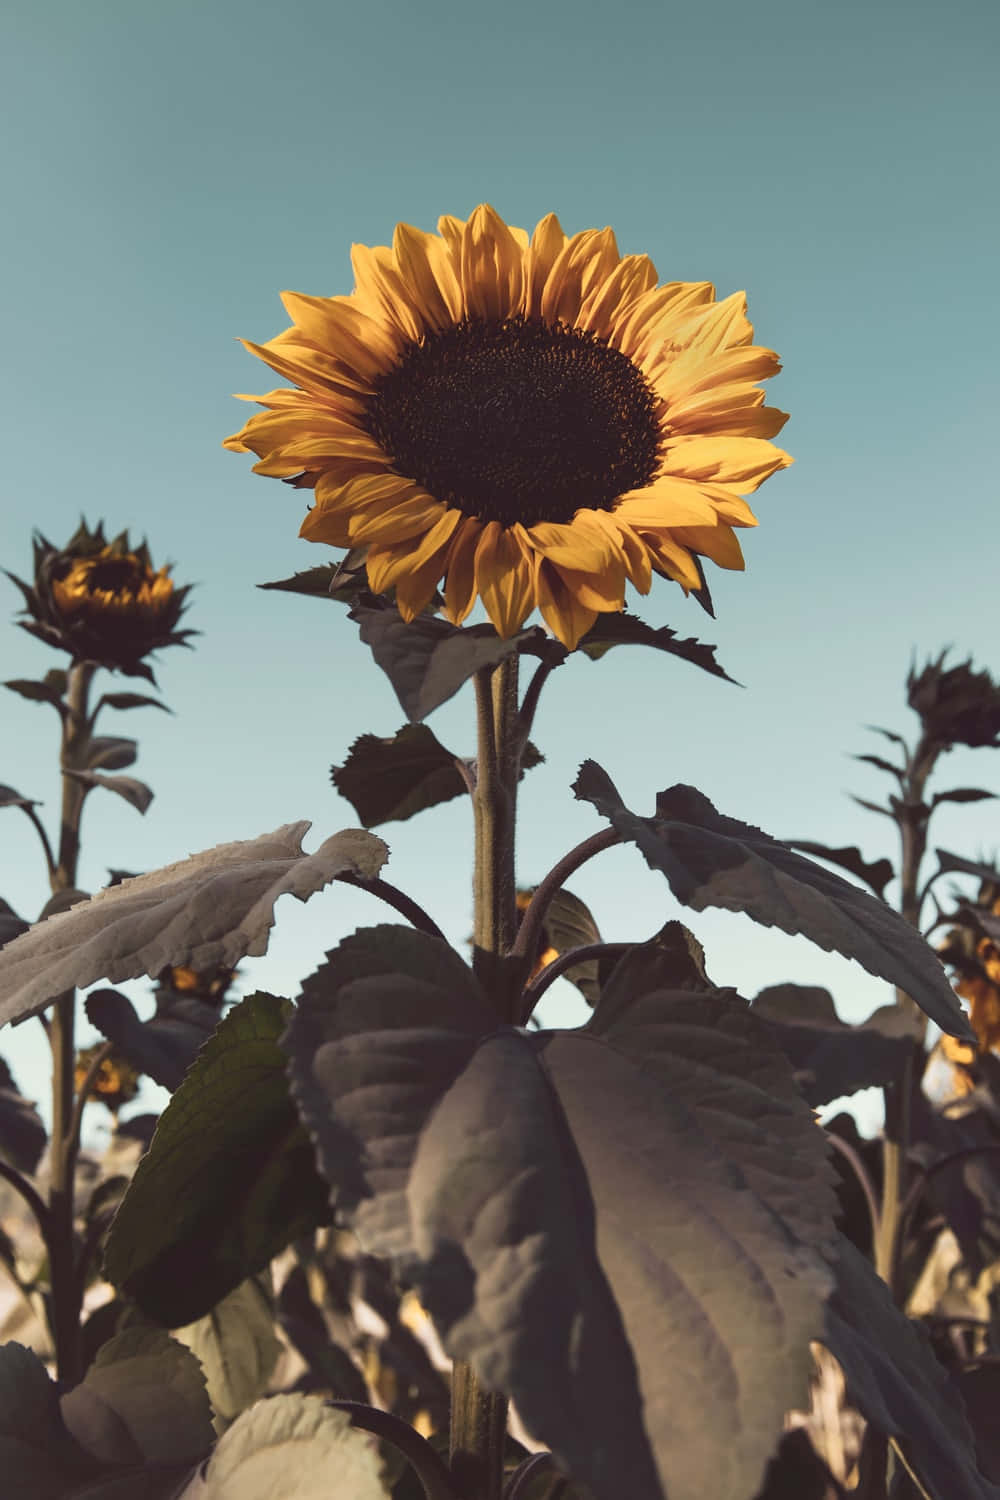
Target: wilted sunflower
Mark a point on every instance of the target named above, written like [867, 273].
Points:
[957, 706]
[102, 601]
[533, 421]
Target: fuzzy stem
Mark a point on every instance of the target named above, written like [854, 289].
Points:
[479, 1416]
[912, 817]
[65, 1310]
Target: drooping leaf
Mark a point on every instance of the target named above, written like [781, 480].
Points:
[136, 793]
[963, 794]
[831, 1058]
[143, 1400]
[882, 765]
[569, 924]
[713, 860]
[131, 700]
[345, 582]
[888, 734]
[37, 1456]
[11, 925]
[427, 660]
[232, 1159]
[23, 1137]
[876, 875]
[10, 798]
[293, 1446]
[602, 1221]
[236, 1347]
[622, 629]
[897, 1383]
[109, 753]
[392, 779]
[212, 909]
[42, 691]
[164, 1046]
[956, 864]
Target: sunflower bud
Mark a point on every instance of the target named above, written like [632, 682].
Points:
[102, 601]
[117, 1081]
[957, 706]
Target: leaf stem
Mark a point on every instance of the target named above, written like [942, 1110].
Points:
[530, 929]
[533, 992]
[864, 1180]
[39, 827]
[32, 1198]
[429, 1468]
[394, 897]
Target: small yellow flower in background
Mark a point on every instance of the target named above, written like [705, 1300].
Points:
[533, 422]
[103, 601]
[117, 1081]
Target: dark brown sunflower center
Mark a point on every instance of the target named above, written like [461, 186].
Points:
[116, 575]
[517, 421]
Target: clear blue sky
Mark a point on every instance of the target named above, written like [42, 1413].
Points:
[168, 169]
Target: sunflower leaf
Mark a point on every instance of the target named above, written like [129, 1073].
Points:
[962, 794]
[211, 909]
[42, 691]
[232, 1158]
[337, 581]
[165, 1046]
[712, 860]
[569, 924]
[831, 1058]
[882, 765]
[136, 793]
[111, 754]
[876, 875]
[502, 1170]
[427, 660]
[130, 700]
[143, 1400]
[10, 798]
[394, 778]
[956, 864]
[23, 1136]
[897, 1383]
[610, 630]
[38, 1458]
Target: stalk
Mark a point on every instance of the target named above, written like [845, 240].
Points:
[65, 1311]
[479, 1416]
[912, 819]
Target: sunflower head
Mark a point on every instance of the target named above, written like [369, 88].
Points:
[208, 985]
[975, 958]
[102, 601]
[531, 421]
[117, 1081]
[957, 706]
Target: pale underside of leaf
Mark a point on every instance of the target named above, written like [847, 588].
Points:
[211, 909]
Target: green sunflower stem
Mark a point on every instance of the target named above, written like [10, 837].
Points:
[912, 817]
[479, 1416]
[65, 1307]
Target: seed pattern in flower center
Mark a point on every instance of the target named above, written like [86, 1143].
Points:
[517, 420]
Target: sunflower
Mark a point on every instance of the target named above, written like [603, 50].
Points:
[103, 601]
[533, 422]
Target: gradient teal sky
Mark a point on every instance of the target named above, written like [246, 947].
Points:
[168, 169]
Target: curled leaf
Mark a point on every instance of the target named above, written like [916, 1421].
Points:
[211, 909]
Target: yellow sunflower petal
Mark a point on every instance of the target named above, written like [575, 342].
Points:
[571, 546]
[668, 501]
[492, 267]
[603, 591]
[633, 552]
[547, 243]
[362, 343]
[717, 542]
[656, 311]
[386, 564]
[427, 270]
[585, 261]
[308, 368]
[672, 559]
[382, 292]
[386, 522]
[460, 580]
[504, 579]
[741, 461]
[561, 610]
[632, 277]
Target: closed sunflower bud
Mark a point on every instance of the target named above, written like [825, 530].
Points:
[957, 706]
[102, 601]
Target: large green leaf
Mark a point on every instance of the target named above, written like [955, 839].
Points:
[211, 909]
[621, 1227]
[236, 1346]
[713, 860]
[143, 1400]
[876, 875]
[394, 778]
[897, 1383]
[426, 659]
[623, 629]
[38, 1459]
[228, 1181]
[831, 1058]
